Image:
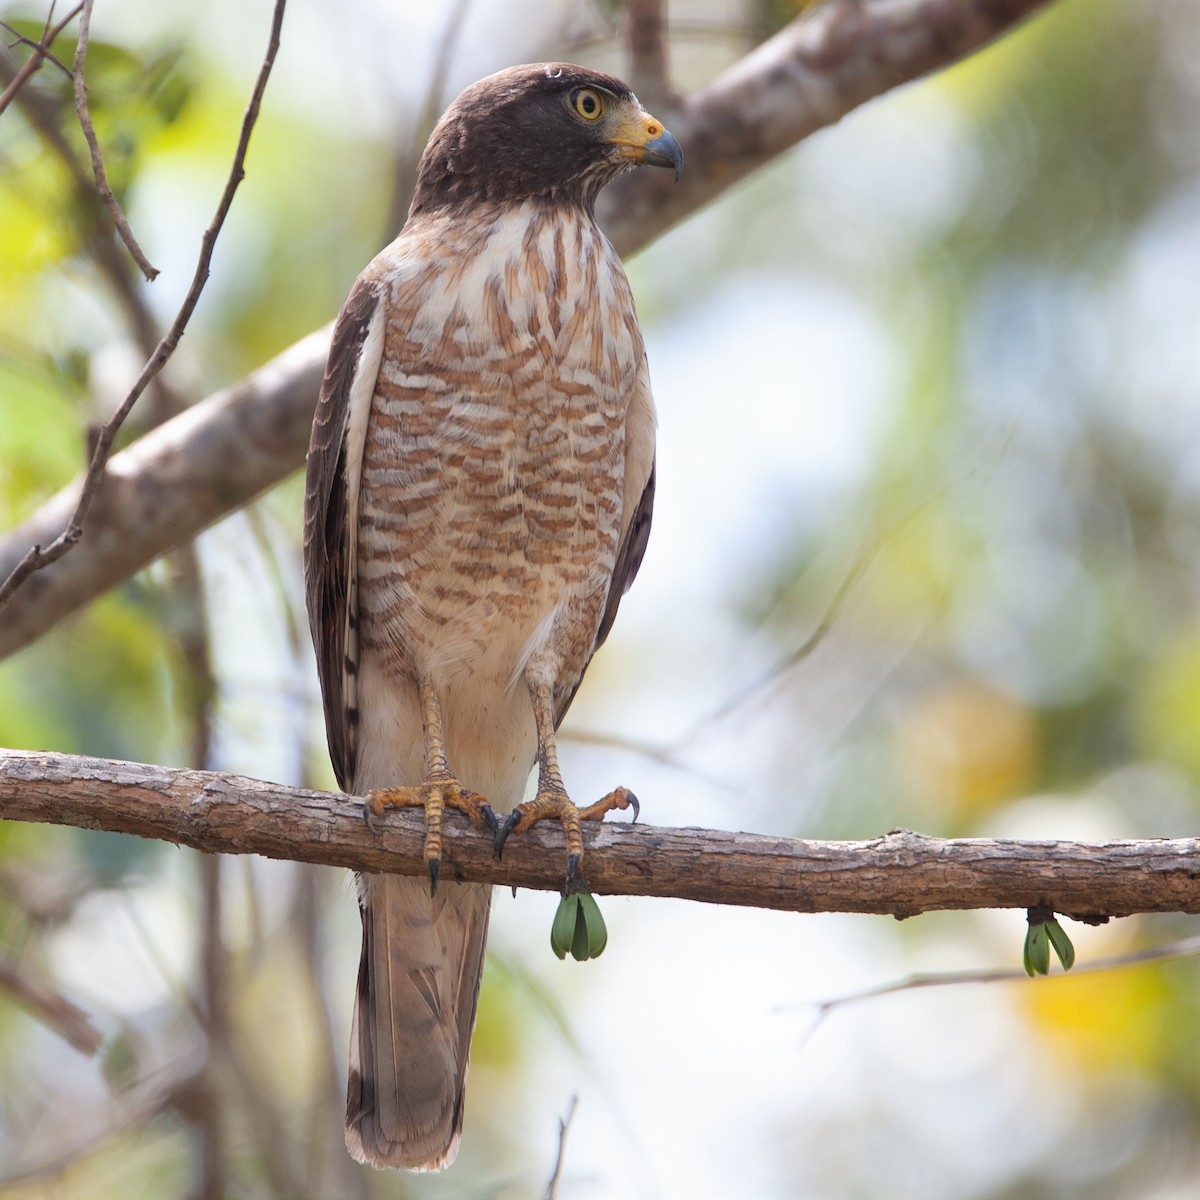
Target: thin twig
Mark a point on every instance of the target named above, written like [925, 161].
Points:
[41, 52]
[1183, 948]
[40, 48]
[39, 556]
[131, 1114]
[214, 991]
[85, 123]
[564, 1127]
[989, 455]
[51, 1008]
[112, 262]
[664, 756]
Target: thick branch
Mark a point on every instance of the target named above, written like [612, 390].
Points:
[168, 486]
[901, 873]
[826, 63]
[193, 470]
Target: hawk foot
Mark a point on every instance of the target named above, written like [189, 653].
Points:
[553, 803]
[435, 795]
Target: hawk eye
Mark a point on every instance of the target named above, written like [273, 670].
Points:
[587, 103]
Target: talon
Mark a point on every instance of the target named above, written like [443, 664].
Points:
[370, 816]
[435, 869]
[510, 823]
[635, 804]
[572, 868]
[490, 818]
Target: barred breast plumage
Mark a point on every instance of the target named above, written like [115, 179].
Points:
[494, 463]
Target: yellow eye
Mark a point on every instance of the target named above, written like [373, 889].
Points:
[587, 103]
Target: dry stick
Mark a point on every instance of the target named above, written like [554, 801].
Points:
[39, 556]
[41, 51]
[1168, 952]
[105, 253]
[564, 1127]
[901, 873]
[53, 1009]
[85, 123]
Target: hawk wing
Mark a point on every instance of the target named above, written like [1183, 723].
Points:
[635, 532]
[331, 514]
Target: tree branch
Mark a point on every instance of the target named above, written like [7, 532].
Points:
[150, 271]
[49, 1006]
[821, 66]
[169, 485]
[645, 30]
[41, 52]
[901, 873]
[39, 554]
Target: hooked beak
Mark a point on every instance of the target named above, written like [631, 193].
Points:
[646, 140]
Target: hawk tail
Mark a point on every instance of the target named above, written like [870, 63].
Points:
[418, 985]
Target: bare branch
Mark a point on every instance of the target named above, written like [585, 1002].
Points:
[645, 29]
[168, 486]
[89, 133]
[39, 998]
[41, 53]
[40, 555]
[811, 74]
[901, 873]
[827, 62]
[104, 252]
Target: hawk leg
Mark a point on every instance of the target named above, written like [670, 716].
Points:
[552, 801]
[440, 790]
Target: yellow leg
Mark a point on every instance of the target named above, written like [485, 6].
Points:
[551, 800]
[439, 791]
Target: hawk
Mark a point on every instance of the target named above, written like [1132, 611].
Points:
[479, 491]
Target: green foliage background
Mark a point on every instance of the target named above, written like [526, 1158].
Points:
[1021, 654]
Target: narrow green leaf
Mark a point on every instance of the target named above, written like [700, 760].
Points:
[562, 930]
[1037, 950]
[1062, 944]
[597, 931]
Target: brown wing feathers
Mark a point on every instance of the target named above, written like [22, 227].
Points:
[328, 510]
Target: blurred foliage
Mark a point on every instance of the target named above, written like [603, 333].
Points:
[1022, 648]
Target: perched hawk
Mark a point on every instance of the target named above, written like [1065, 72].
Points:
[480, 482]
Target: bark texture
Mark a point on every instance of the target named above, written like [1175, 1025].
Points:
[901, 873]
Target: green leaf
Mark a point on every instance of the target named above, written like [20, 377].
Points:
[579, 943]
[597, 931]
[579, 927]
[562, 931]
[1061, 943]
[1037, 950]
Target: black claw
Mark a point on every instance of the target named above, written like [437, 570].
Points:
[572, 868]
[636, 806]
[369, 817]
[510, 823]
[493, 822]
[435, 869]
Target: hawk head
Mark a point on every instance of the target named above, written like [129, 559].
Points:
[546, 130]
